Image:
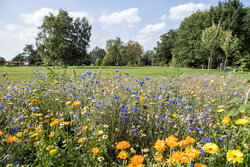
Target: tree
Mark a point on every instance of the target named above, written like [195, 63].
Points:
[62, 39]
[210, 40]
[229, 44]
[97, 54]
[31, 54]
[187, 50]
[115, 53]
[133, 53]
[164, 48]
[2, 60]
[147, 57]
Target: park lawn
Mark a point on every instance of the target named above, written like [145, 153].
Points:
[19, 74]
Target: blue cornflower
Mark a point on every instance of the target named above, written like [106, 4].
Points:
[134, 130]
[116, 97]
[116, 70]
[147, 78]
[14, 130]
[220, 139]
[124, 117]
[22, 118]
[137, 97]
[87, 114]
[191, 128]
[1, 106]
[207, 140]
[116, 76]
[162, 119]
[202, 151]
[135, 110]
[34, 108]
[126, 88]
[133, 92]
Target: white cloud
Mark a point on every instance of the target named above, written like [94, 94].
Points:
[183, 10]
[150, 34]
[128, 16]
[13, 37]
[36, 17]
[152, 28]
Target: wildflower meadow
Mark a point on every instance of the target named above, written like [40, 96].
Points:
[127, 121]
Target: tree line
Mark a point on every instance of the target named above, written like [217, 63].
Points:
[217, 37]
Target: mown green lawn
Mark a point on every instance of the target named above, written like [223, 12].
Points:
[19, 74]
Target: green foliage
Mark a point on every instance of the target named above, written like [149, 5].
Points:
[20, 57]
[2, 60]
[97, 54]
[31, 54]
[63, 39]
[133, 53]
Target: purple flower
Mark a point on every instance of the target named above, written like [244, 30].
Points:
[134, 130]
[202, 151]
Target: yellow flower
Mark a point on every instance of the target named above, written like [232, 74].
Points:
[212, 81]
[211, 148]
[100, 132]
[220, 110]
[19, 134]
[226, 120]
[235, 156]
[137, 160]
[159, 145]
[123, 155]
[200, 165]
[241, 121]
[81, 140]
[122, 145]
[67, 103]
[95, 150]
[76, 103]
[53, 151]
[242, 111]
[1, 133]
[34, 135]
[213, 101]
[175, 115]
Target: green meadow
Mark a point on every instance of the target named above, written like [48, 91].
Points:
[19, 74]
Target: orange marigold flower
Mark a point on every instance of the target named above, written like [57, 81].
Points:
[159, 157]
[159, 145]
[11, 139]
[177, 156]
[35, 143]
[190, 140]
[34, 101]
[84, 127]
[185, 159]
[171, 137]
[95, 150]
[1, 133]
[182, 143]
[137, 160]
[142, 99]
[172, 143]
[76, 103]
[66, 123]
[192, 152]
[200, 165]
[122, 145]
[130, 165]
[123, 155]
[52, 134]
[55, 122]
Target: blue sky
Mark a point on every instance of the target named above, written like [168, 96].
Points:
[139, 20]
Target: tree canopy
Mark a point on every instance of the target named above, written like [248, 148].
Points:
[63, 39]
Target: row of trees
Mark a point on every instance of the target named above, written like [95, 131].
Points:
[223, 31]
[216, 37]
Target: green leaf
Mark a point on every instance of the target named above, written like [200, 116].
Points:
[234, 100]
[238, 88]
[244, 107]
[233, 112]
